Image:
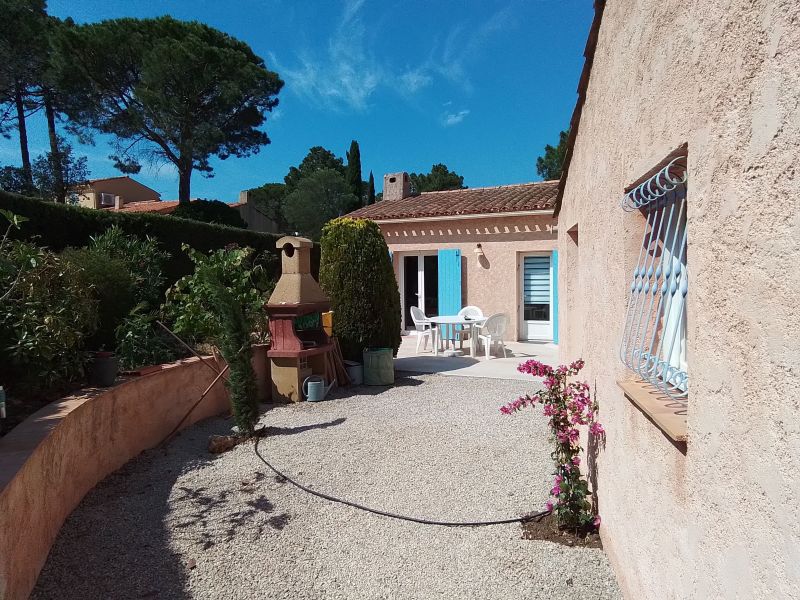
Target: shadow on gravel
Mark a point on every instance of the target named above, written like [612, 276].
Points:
[220, 517]
[118, 543]
[271, 430]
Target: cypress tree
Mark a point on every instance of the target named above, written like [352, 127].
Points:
[353, 174]
[371, 189]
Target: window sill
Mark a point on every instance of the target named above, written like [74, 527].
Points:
[666, 413]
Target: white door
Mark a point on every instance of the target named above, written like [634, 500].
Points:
[536, 304]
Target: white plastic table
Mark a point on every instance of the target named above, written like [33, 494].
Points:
[449, 323]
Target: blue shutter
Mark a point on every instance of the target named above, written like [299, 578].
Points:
[554, 308]
[449, 282]
[537, 280]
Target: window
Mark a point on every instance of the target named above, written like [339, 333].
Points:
[106, 199]
[654, 337]
[536, 292]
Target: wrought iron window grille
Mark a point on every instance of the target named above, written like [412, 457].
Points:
[654, 339]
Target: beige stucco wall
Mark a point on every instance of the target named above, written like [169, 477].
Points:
[125, 187]
[493, 283]
[50, 461]
[720, 518]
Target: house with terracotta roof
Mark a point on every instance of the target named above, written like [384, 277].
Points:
[121, 193]
[492, 247]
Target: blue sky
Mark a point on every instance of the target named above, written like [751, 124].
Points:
[481, 86]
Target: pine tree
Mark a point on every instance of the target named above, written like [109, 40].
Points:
[353, 174]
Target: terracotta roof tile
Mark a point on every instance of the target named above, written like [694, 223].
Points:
[522, 197]
[163, 207]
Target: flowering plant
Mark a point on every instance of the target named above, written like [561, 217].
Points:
[569, 405]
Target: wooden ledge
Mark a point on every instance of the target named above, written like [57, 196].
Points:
[667, 413]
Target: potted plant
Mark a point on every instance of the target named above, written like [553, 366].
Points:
[103, 368]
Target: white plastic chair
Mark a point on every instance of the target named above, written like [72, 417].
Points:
[463, 332]
[493, 331]
[425, 329]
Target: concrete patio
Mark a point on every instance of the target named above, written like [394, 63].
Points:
[465, 366]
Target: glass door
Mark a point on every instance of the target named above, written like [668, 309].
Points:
[420, 286]
[537, 301]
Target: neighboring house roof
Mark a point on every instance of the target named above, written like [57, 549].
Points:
[91, 182]
[523, 197]
[163, 207]
[583, 86]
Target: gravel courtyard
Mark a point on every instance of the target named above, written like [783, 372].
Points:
[181, 523]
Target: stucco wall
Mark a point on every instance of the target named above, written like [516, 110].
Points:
[493, 282]
[50, 461]
[719, 518]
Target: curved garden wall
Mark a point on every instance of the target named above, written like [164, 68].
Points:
[50, 461]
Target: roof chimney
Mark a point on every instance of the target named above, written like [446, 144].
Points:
[396, 186]
[244, 195]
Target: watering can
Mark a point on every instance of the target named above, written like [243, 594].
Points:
[314, 388]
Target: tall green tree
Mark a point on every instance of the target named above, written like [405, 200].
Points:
[23, 48]
[371, 189]
[168, 90]
[56, 173]
[440, 178]
[269, 201]
[317, 159]
[548, 166]
[318, 198]
[353, 173]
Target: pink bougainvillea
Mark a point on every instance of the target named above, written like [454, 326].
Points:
[569, 405]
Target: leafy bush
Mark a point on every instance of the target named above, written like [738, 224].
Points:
[46, 315]
[109, 281]
[58, 226]
[143, 258]
[141, 342]
[222, 302]
[246, 274]
[210, 211]
[357, 275]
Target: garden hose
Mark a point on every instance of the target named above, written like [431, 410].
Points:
[391, 515]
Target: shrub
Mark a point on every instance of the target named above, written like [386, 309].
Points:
[46, 315]
[143, 258]
[109, 281]
[210, 211]
[568, 405]
[141, 342]
[222, 302]
[356, 273]
[58, 226]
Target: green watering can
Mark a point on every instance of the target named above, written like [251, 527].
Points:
[314, 388]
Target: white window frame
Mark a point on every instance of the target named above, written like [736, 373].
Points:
[103, 196]
[654, 337]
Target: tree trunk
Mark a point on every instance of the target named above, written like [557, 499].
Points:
[184, 183]
[23, 136]
[55, 154]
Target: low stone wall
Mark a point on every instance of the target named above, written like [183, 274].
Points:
[50, 461]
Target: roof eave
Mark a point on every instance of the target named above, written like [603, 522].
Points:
[583, 86]
[518, 213]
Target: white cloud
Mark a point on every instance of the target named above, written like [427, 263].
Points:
[415, 79]
[451, 119]
[345, 75]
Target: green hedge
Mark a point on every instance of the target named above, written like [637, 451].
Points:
[58, 226]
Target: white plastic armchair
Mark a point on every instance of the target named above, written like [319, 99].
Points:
[472, 312]
[425, 329]
[493, 331]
